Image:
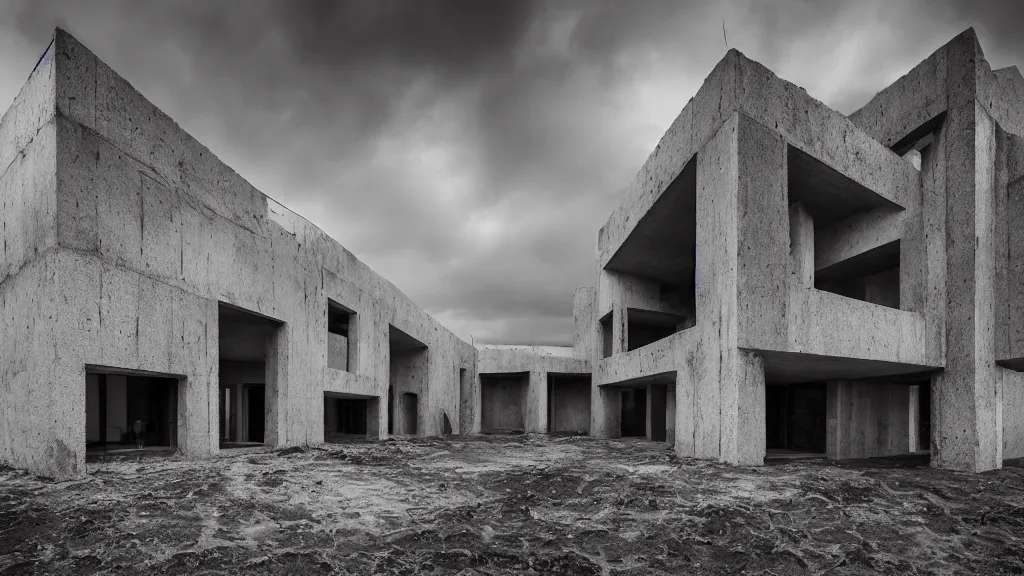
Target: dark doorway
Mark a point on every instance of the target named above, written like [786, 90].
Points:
[391, 409]
[634, 412]
[795, 417]
[257, 408]
[410, 412]
[246, 341]
[924, 418]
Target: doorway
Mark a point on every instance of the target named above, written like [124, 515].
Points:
[246, 341]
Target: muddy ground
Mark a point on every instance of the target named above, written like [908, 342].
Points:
[508, 505]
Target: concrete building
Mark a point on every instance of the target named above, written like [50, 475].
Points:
[142, 279]
[783, 277]
[779, 278]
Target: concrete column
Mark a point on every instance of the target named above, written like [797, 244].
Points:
[670, 414]
[656, 412]
[967, 395]
[620, 329]
[536, 404]
[914, 417]
[741, 170]
[801, 246]
[276, 395]
[606, 412]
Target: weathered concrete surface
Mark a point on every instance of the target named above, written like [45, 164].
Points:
[535, 361]
[135, 232]
[929, 242]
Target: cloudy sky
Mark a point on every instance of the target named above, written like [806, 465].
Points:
[469, 150]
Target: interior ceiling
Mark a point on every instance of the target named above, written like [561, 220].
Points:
[243, 335]
[793, 368]
[663, 244]
[400, 341]
[650, 318]
[826, 194]
[884, 257]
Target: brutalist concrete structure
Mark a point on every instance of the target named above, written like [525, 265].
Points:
[780, 276]
[143, 280]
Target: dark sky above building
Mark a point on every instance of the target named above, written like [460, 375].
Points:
[470, 150]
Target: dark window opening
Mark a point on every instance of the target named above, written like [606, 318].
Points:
[130, 412]
[873, 276]
[606, 335]
[341, 324]
[646, 327]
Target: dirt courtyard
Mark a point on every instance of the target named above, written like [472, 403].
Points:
[508, 505]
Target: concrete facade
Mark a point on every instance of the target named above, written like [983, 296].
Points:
[125, 244]
[856, 276]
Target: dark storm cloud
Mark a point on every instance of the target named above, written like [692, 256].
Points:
[469, 150]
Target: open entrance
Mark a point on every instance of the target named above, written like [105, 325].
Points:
[634, 412]
[246, 342]
[346, 417]
[795, 419]
[569, 404]
[408, 376]
[129, 411]
[503, 402]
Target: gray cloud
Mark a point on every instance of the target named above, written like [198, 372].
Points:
[469, 150]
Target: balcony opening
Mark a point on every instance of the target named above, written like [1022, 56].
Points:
[646, 326]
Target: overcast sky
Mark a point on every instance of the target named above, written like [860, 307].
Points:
[470, 150]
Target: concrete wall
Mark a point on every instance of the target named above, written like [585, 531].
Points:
[867, 419]
[138, 233]
[569, 403]
[503, 402]
[537, 362]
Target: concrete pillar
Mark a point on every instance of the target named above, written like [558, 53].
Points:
[276, 395]
[670, 414]
[801, 246]
[967, 395]
[536, 405]
[741, 170]
[606, 412]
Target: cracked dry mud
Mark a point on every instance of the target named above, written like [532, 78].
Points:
[508, 505]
